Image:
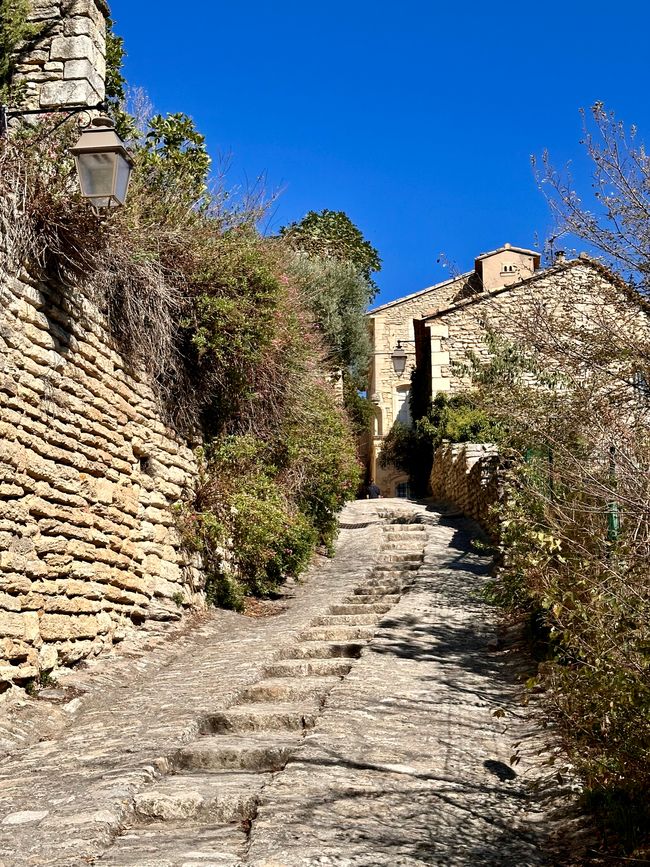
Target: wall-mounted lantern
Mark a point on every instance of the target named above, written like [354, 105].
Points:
[104, 164]
[399, 357]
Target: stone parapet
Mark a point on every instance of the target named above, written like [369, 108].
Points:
[465, 474]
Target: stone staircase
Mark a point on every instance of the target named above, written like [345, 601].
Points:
[202, 812]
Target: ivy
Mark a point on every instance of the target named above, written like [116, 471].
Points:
[17, 36]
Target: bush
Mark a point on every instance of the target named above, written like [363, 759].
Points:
[456, 418]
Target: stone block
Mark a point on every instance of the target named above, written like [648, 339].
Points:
[42, 10]
[79, 26]
[72, 48]
[62, 93]
[83, 69]
[61, 627]
[48, 657]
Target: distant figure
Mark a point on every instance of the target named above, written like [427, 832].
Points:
[373, 491]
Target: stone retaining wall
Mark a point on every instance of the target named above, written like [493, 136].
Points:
[465, 474]
[89, 475]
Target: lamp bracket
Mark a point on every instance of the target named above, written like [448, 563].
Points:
[6, 115]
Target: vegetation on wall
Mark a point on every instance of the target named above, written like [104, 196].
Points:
[223, 319]
[17, 35]
[456, 418]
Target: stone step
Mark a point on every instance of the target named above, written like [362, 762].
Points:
[401, 558]
[262, 716]
[337, 633]
[379, 591]
[361, 607]
[307, 667]
[247, 753]
[397, 568]
[399, 527]
[231, 796]
[346, 619]
[403, 547]
[323, 650]
[281, 689]
[372, 600]
[177, 845]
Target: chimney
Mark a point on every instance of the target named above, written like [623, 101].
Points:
[560, 257]
[66, 65]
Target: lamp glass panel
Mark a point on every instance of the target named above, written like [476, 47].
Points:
[399, 362]
[122, 179]
[96, 174]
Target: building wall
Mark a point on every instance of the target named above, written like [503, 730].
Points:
[389, 324]
[89, 477]
[573, 296]
[67, 65]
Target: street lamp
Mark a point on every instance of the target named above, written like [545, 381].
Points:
[104, 164]
[399, 357]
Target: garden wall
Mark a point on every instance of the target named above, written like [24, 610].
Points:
[89, 475]
[465, 474]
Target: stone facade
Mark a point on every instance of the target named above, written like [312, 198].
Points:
[572, 296]
[405, 320]
[89, 476]
[389, 390]
[67, 64]
[465, 474]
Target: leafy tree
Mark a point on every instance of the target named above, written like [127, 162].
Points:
[174, 155]
[337, 295]
[332, 234]
[116, 83]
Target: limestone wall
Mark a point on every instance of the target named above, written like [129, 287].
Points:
[390, 323]
[67, 63]
[89, 475]
[465, 474]
[572, 298]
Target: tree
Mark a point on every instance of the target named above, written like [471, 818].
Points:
[617, 223]
[332, 234]
[337, 296]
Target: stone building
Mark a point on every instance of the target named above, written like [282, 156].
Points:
[402, 321]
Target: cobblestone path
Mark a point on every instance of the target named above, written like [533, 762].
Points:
[355, 728]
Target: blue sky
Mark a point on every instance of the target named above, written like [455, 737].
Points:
[417, 119]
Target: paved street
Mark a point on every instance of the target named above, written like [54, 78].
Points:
[355, 726]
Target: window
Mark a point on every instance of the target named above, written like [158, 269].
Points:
[509, 269]
[402, 407]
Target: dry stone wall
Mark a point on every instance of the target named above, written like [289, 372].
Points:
[89, 477]
[465, 474]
